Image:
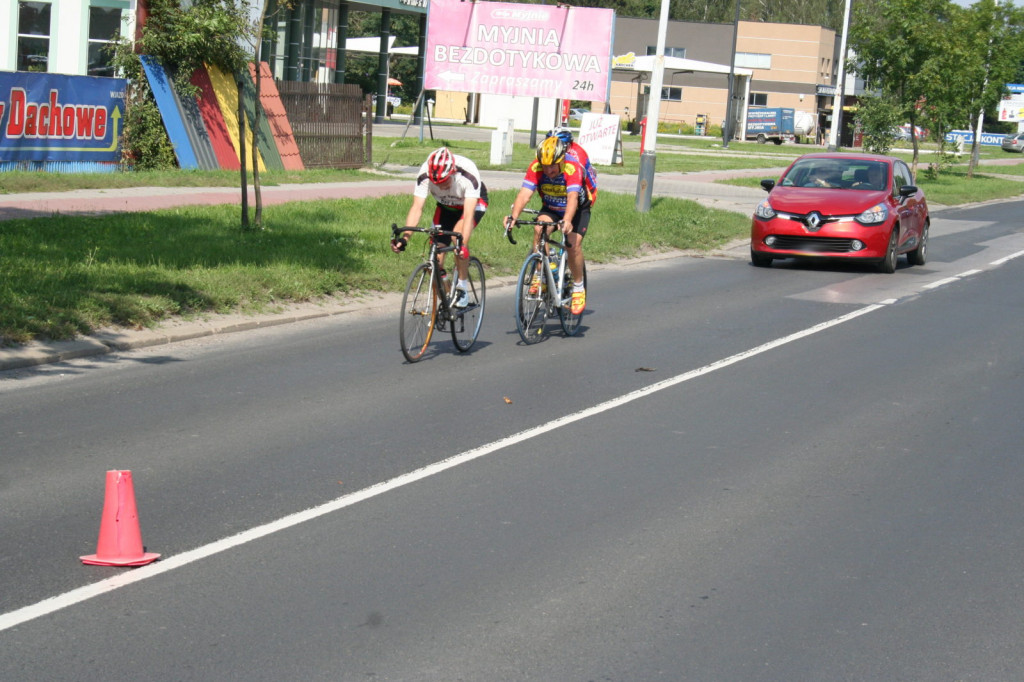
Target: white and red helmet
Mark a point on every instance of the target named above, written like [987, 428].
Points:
[440, 165]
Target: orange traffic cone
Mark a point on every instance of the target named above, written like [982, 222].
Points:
[120, 542]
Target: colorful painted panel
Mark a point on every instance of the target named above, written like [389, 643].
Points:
[161, 86]
[216, 129]
[227, 99]
[277, 118]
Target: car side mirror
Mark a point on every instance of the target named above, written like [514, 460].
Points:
[768, 184]
[908, 190]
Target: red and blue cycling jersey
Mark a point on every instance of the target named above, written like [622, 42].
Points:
[589, 174]
[554, 192]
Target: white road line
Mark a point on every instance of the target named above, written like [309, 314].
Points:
[1005, 259]
[62, 601]
[949, 280]
[941, 282]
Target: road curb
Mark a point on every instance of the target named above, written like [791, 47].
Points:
[107, 341]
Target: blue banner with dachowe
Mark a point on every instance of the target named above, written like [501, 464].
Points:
[46, 117]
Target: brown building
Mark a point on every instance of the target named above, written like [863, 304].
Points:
[790, 65]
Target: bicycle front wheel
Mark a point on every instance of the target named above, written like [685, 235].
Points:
[531, 308]
[466, 321]
[419, 312]
[570, 322]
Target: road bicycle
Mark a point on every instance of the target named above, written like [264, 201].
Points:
[428, 303]
[535, 305]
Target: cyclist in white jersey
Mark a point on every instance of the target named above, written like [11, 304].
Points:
[455, 183]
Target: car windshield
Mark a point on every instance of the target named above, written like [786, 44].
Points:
[857, 174]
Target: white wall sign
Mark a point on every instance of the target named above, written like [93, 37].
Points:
[1012, 108]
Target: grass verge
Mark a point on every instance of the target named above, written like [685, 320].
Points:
[64, 276]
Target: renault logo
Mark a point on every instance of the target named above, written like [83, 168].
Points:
[813, 221]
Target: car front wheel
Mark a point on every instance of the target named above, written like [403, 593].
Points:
[920, 255]
[888, 264]
[759, 260]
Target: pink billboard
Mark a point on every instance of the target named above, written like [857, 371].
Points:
[502, 48]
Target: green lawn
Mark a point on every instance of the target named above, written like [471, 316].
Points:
[63, 276]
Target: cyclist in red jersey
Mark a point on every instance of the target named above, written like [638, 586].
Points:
[559, 179]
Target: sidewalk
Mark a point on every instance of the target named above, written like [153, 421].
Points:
[700, 187]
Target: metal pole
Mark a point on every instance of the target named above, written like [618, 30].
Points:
[645, 178]
[383, 59]
[533, 123]
[837, 100]
[727, 124]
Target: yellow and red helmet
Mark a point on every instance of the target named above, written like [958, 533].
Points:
[551, 151]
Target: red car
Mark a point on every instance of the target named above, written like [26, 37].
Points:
[842, 206]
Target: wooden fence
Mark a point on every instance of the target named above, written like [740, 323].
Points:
[332, 123]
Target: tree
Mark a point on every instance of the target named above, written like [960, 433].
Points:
[144, 141]
[256, 35]
[894, 41]
[992, 33]
[184, 39]
[878, 118]
[941, 65]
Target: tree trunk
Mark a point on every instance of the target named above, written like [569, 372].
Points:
[257, 195]
[241, 154]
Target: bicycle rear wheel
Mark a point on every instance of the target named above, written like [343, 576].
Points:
[531, 308]
[419, 312]
[466, 321]
[570, 322]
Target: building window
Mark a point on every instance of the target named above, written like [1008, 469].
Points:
[753, 60]
[33, 36]
[672, 94]
[104, 30]
[679, 52]
[758, 99]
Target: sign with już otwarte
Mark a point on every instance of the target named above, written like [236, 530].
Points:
[601, 136]
[502, 48]
[50, 117]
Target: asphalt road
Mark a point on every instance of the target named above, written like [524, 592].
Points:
[801, 473]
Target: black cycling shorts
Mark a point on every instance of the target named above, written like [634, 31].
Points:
[580, 221]
[447, 217]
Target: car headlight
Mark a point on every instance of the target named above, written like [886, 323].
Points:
[764, 210]
[874, 215]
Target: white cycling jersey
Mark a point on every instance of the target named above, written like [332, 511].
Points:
[466, 184]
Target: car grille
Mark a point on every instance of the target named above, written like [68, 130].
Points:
[813, 244]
